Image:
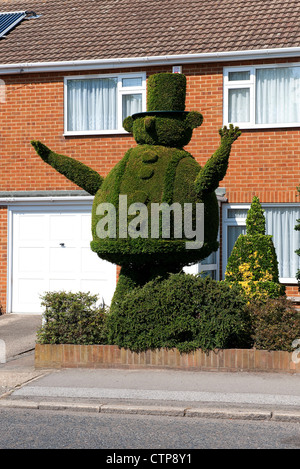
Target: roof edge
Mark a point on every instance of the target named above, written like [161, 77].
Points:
[181, 59]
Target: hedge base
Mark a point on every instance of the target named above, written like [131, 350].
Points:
[111, 356]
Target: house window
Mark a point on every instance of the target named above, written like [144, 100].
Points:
[98, 104]
[280, 223]
[262, 96]
[209, 266]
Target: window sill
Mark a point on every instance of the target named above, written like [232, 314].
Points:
[244, 126]
[288, 281]
[95, 132]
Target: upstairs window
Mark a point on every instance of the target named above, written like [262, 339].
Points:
[98, 104]
[262, 97]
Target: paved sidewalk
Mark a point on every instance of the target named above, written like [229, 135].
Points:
[17, 342]
[242, 395]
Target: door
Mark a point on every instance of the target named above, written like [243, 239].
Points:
[51, 252]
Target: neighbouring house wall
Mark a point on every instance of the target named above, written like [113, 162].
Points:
[265, 163]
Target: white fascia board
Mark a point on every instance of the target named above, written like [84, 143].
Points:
[46, 200]
[149, 61]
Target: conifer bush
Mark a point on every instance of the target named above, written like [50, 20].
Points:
[253, 261]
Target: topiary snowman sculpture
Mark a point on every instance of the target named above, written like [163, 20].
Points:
[158, 173]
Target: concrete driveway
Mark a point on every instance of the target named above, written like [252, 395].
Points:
[18, 333]
[17, 343]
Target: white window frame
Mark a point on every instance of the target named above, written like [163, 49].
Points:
[211, 267]
[199, 268]
[121, 90]
[242, 222]
[251, 84]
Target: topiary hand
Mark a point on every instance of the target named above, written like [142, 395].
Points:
[230, 134]
[215, 168]
[74, 170]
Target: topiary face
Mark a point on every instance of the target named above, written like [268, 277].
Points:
[169, 129]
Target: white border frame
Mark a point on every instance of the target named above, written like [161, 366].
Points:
[242, 222]
[227, 85]
[120, 92]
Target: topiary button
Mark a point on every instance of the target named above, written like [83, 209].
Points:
[149, 157]
[146, 172]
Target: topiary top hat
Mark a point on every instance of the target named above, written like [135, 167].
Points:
[165, 94]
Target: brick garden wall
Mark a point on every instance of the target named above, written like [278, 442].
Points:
[111, 356]
[263, 163]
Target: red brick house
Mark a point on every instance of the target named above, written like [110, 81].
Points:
[69, 73]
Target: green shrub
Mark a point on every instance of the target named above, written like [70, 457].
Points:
[255, 221]
[72, 318]
[183, 311]
[253, 261]
[275, 324]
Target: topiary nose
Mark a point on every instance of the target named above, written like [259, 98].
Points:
[149, 123]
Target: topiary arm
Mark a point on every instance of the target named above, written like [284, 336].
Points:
[77, 172]
[215, 169]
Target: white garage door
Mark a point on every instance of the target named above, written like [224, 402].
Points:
[51, 252]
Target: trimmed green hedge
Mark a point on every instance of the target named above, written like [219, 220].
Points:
[275, 324]
[72, 318]
[183, 311]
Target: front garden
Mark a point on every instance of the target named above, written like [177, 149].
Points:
[185, 312]
[156, 305]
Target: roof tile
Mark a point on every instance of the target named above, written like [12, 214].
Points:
[102, 29]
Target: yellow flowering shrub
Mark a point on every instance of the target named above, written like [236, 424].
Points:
[253, 262]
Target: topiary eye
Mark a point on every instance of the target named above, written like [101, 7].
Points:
[128, 124]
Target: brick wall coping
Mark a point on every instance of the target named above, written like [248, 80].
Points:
[111, 356]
